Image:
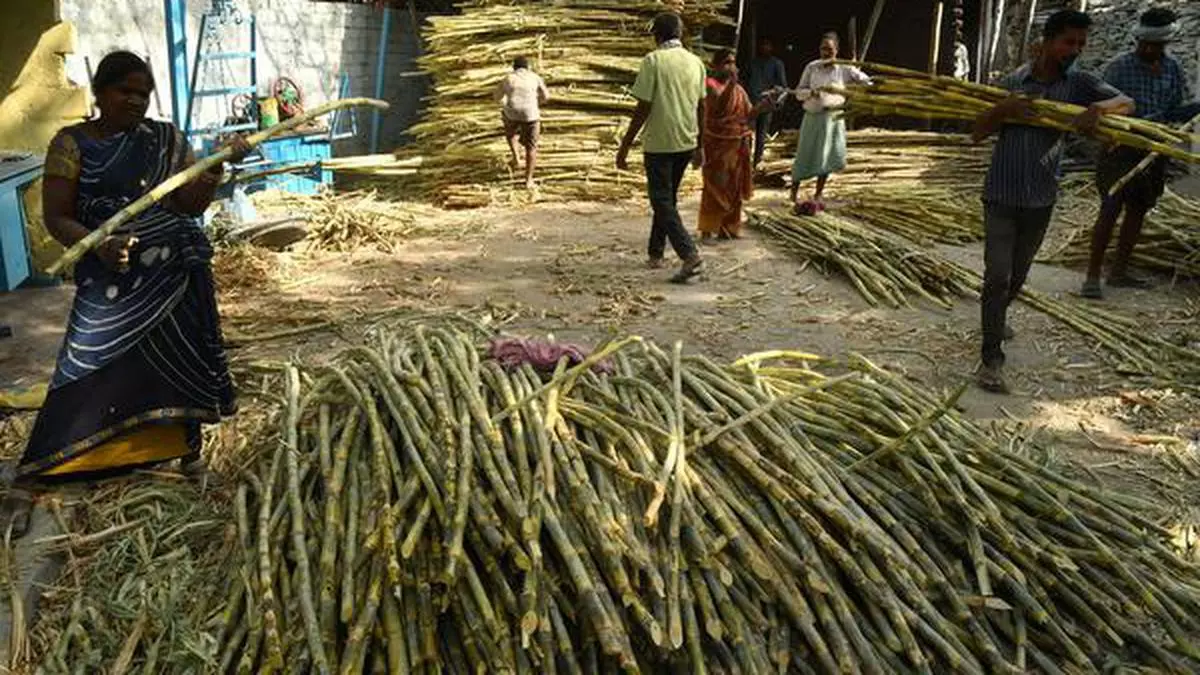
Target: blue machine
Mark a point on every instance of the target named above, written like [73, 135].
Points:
[17, 171]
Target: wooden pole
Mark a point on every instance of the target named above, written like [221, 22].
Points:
[871, 25]
[997, 29]
[737, 34]
[935, 39]
[854, 37]
[981, 41]
[1033, 7]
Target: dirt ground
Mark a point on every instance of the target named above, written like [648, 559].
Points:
[576, 271]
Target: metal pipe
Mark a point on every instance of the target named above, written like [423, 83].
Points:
[175, 16]
[187, 118]
[380, 63]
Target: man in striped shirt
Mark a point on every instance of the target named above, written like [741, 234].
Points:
[1022, 183]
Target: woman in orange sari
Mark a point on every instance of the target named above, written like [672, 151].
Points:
[728, 149]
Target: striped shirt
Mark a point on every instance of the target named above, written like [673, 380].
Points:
[1157, 95]
[1024, 169]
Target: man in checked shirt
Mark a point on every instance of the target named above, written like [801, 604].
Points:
[1158, 85]
[1022, 182]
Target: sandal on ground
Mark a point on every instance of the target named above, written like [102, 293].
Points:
[991, 379]
[689, 269]
[1127, 281]
[656, 263]
[17, 509]
[1092, 290]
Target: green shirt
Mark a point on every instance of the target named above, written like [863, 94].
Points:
[671, 80]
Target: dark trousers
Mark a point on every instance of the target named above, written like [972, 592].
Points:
[664, 172]
[762, 127]
[1012, 237]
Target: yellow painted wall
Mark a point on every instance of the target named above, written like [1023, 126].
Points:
[38, 99]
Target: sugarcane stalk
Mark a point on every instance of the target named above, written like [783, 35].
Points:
[132, 210]
[1145, 163]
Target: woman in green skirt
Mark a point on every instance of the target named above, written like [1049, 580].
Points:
[821, 150]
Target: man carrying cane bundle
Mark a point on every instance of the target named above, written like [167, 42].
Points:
[1158, 86]
[1022, 182]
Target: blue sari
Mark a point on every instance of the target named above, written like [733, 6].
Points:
[142, 346]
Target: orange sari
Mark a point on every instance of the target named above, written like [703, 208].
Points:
[728, 145]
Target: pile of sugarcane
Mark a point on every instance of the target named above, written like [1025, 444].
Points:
[883, 268]
[883, 159]
[881, 265]
[350, 221]
[588, 51]
[1169, 243]
[430, 510]
[907, 93]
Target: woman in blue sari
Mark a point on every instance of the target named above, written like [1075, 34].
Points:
[142, 365]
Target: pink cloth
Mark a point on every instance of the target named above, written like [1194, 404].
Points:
[543, 356]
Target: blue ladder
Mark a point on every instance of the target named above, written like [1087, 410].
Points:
[221, 13]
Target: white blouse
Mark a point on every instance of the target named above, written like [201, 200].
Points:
[821, 74]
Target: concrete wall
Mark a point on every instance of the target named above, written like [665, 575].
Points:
[312, 43]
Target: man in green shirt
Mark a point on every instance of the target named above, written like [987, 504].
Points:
[670, 92]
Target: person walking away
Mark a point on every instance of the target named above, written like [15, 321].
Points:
[1158, 86]
[767, 73]
[522, 93]
[728, 175]
[670, 91]
[142, 365]
[1021, 186]
[821, 149]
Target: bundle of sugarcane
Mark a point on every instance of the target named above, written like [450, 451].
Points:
[880, 265]
[884, 159]
[883, 268]
[907, 93]
[1169, 243]
[588, 51]
[432, 509]
[919, 213]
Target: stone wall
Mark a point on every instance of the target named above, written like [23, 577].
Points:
[1115, 21]
[313, 43]
[1112, 32]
